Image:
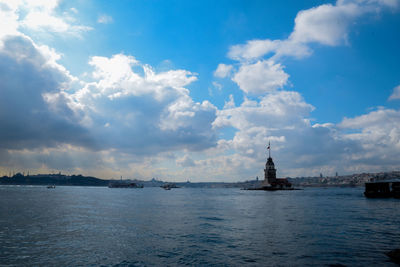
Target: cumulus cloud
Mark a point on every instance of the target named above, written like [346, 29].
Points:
[104, 19]
[284, 116]
[378, 132]
[131, 119]
[37, 16]
[278, 110]
[223, 70]
[375, 129]
[122, 113]
[261, 77]
[257, 123]
[253, 49]
[327, 24]
[396, 93]
[260, 70]
[154, 109]
[185, 161]
[115, 78]
[30, 81]
[126, 111]
[369, 142]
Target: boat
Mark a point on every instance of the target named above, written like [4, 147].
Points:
[382, 189]
[51, 186]
[169, 186]
[124, 185]
[394, 255]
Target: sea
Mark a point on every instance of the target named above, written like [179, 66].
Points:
[98, 226]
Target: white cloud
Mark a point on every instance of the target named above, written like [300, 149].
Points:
[277, 110]
[396, 93]
[132, 119]
[261, 77]
[39, 20]
[375, 130]
[104, 19]
[74, 10]
[217, 85]
[37, 16]
[378, 133]
[185, 161]
[121, 114]
[115, 78]
[370, 142]
[325, 24]
[283, 117]
[8, 20]
[253, 49]
[223, 71]
[154, 109]
[374, 4]
[32, 98]
[184, 113]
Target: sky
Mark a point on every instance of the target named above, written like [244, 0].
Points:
[195, 90]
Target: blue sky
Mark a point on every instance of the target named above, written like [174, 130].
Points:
[194, 90]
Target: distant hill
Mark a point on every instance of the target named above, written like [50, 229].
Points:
[80, 180]
[52, 179]
[357, 179]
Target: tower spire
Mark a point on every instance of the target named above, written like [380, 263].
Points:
[269, 149]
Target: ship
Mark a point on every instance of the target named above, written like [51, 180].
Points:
[382, 189]
[169, 186]
[120, 184]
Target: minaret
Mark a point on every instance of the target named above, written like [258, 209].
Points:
[269, 171]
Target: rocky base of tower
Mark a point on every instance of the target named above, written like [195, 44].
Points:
[271, 188]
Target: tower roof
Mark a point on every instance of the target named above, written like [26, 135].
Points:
[270, 161]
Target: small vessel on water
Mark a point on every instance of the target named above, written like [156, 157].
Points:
[382, 189]
[51, 186]
[169, 186]
[394, 255]
[124, 185]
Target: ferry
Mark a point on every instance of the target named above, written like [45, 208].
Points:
[382, 189]
[124, 185]
[169, 186]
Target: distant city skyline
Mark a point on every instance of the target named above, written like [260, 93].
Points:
[196, 90]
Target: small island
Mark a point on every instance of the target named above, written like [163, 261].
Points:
[271, 183]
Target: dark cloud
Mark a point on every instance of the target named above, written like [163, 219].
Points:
[145, 114]
[43, 124]
[26, 119]
[132, 125]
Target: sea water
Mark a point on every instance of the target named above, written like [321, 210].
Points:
[88, 226]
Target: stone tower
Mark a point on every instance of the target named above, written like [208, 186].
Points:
[269, 171]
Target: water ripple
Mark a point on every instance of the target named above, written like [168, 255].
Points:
[78, 226]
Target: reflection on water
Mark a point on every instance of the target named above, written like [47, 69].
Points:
[72, 226]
